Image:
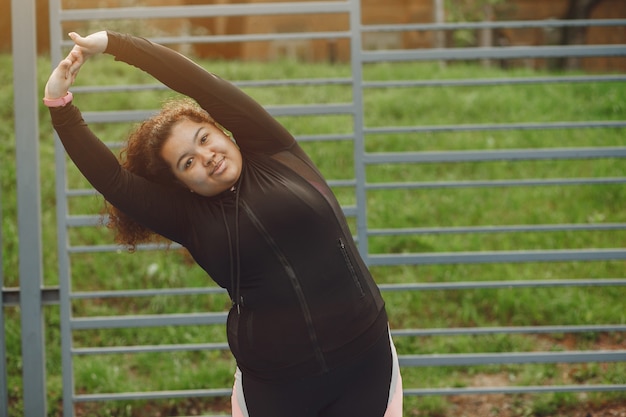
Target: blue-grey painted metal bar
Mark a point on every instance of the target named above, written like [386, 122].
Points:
[496, 81]
[138, 115]
[513, 52]
[117, 248]
[250, 38]
[498, 229]
[497, 257]
[4, 396]
[149, 348]
[193, 11]
[11, 296]
[376, 84]
[358, 126]
[504, 283]
[147, 293]
[86, 192]
[495, 183]
[64, 269]
[611, 124]
[156, 320]
[50, 295]
[475, 331]
[495, 155]
[530, 389]
[472, 359]
[153, 395]
[24, 43]
[512, 24]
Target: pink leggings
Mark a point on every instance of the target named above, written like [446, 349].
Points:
[358, 381]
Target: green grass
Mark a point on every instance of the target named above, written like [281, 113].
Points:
[386, 209]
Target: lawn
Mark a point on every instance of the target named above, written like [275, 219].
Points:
[393, 208]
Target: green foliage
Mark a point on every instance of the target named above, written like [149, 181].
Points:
[425, 106]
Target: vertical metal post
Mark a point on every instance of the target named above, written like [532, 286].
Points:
[65, 280]
[29, 205]
[356, 62]
[439, 16]
[4, 397]
[440, 36]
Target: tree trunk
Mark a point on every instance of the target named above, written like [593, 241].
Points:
[575, 35]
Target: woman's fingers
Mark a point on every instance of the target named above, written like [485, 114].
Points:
[91, 45]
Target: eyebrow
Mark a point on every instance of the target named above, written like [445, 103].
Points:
[193, 141]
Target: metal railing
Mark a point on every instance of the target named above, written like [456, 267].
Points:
[31, 296]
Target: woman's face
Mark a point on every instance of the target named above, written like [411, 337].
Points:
[202, 157]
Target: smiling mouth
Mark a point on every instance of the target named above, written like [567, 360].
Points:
[217, 166]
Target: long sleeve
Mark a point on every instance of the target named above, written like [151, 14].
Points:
[253, 128]
[157, 207]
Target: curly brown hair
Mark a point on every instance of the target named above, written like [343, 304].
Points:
[142, 156]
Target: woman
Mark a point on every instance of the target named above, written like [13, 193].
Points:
[308, 326]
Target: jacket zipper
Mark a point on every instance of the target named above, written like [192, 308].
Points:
[353, 274]
[294, 282]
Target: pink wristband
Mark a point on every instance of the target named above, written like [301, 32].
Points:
[58, 102]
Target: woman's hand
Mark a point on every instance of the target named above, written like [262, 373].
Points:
[94, 44]
[65, 73]
[62, 77]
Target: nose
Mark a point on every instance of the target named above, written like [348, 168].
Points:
[208, 158]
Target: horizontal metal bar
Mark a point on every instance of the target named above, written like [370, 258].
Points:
[114, 350]
[82, 192]
[153, 395]
[11, 296]
[497, 257]
[195, 11]
[124, 116]
[350, 211]
[155, 320]
[325, 138]
[314, 109]
[513, 390]
[84, 220]
[83, 295]
[511, 24]
[494, 155]
[493, 183]
[261, 37]
[253, 37]
[118, 116]
[291, 82]
[333, 137]
[475, 331]
[475, 285]
[612, 124]
[88, 220]
[495, 81]
[117, 88]
[95, 89]
[471, 359]
[118, 248]
[76, 220]
[50, 295]
[513, 52]
[407, 392]
[497, 229]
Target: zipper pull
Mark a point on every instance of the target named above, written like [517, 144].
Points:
[239, 304]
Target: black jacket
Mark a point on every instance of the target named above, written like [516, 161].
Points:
[304, 301]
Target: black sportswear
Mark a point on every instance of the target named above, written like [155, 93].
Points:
[304, 300]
